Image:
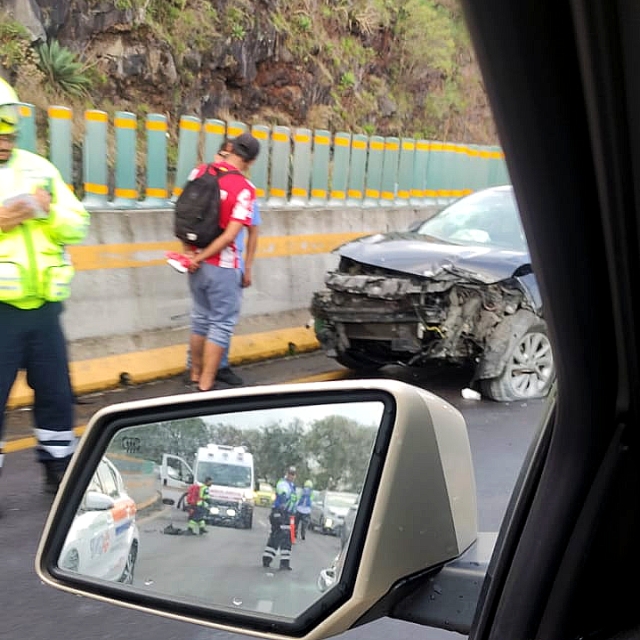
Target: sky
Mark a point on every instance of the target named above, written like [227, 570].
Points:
[365, 413]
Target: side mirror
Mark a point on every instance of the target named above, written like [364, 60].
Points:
[96, 501]
[383, 438]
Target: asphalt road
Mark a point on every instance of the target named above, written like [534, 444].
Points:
[500, 435]
[224, 565]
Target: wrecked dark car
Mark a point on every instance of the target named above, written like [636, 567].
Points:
[455, 289]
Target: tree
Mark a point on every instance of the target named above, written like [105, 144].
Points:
[340, 450]
[279, 447]
[150, 442]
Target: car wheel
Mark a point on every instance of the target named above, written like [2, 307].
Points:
[529, 371]
[130, 565]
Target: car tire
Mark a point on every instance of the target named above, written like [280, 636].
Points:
[529, 371]
[130, 565]
[357, 361]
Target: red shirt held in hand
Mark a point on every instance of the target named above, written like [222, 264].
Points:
[237, 195]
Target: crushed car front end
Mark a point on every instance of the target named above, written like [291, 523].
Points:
[379, 316]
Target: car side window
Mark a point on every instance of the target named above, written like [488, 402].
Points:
[108, 480]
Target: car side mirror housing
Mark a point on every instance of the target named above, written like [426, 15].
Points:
[399, 440]
[96, 501]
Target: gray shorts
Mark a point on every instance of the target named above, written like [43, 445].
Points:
[216, 295]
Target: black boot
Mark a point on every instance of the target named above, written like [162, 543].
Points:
[53, 474]
[285, 566]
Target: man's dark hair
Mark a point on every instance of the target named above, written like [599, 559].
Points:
[225, 147]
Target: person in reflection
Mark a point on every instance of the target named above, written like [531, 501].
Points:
[284, 507]
[198, 511]
[303, 510]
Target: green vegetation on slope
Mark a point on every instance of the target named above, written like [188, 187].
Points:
[389, 67]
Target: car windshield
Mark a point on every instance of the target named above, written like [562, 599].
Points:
[337, 500]
[225, 475]
[489, 217]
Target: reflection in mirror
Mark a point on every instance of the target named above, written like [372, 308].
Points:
[249, 511]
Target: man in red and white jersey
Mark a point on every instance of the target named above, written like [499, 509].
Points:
[215, 277]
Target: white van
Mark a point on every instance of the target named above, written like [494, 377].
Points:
[231, 497]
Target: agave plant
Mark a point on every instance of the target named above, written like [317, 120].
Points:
[64, 69]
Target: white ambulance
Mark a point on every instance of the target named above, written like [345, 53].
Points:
[231, 496]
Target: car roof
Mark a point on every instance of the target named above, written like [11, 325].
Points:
[563, 85]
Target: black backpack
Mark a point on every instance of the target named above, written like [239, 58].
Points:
[197, 210]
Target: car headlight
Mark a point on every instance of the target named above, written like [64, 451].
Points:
[231, 512]
[328, 523]
[214, 511]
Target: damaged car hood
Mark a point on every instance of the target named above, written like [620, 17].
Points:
[424, 256]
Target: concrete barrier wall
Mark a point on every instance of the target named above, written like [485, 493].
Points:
[126, 298]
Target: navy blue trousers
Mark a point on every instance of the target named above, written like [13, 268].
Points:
[33, 340]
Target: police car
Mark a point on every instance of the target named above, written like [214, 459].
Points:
[103, 539]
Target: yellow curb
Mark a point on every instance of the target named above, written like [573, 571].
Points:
[19, 444]
[147, 503]
[98, 374]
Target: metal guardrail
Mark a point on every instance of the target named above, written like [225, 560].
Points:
[299, 167]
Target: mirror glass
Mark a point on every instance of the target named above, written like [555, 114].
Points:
[249, 511]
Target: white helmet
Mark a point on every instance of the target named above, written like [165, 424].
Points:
[9, 113]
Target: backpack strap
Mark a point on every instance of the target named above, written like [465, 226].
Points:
[221, 171]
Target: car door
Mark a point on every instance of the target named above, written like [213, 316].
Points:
[94, 545]
[122, 516]
[175, 476]
[317, 509]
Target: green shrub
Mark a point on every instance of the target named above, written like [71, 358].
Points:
[13, 41]
[63, 69]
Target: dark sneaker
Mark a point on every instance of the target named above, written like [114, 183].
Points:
[203, 531]
[266, 562]
[228, 377]
[285, 567]
[53, 474]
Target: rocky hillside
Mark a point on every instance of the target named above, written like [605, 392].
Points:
[385, 67]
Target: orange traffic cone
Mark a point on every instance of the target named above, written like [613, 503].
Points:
[292, 528]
